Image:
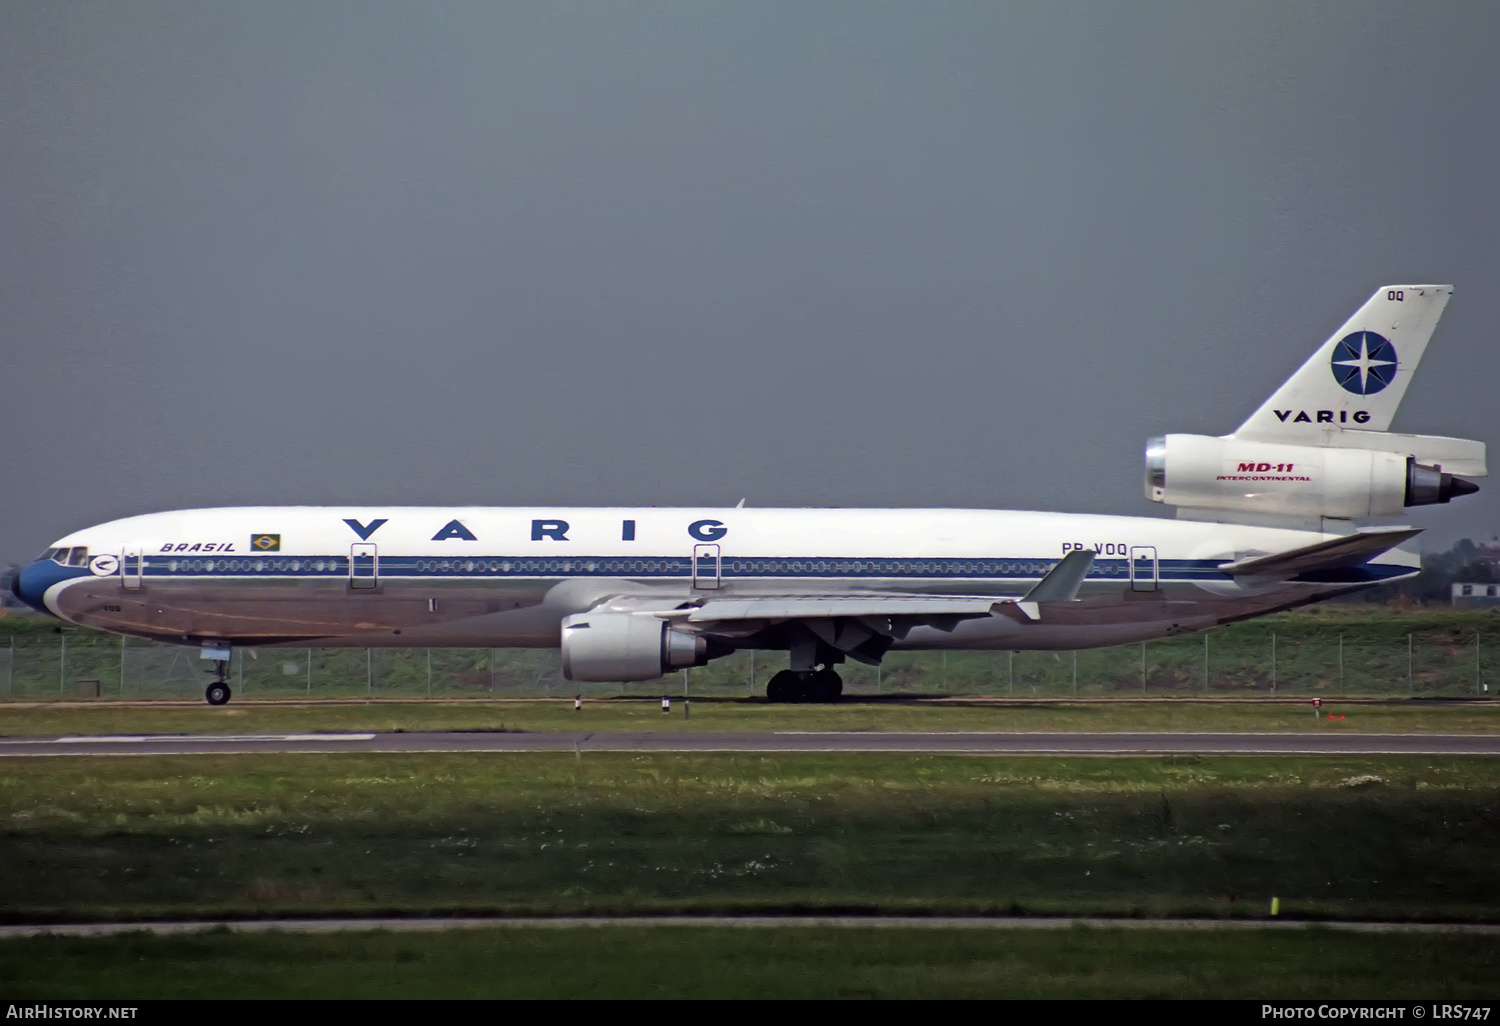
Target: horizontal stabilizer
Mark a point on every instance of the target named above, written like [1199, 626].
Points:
[1062, 581]
[1348, 551]
[1462, 456]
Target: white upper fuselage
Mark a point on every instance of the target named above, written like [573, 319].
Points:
[658, 533]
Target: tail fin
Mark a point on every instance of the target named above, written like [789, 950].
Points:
[1358, 377]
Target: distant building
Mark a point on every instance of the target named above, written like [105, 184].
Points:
[1476, 594]
[1489, 552]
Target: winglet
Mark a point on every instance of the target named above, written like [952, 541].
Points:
[1063, 581]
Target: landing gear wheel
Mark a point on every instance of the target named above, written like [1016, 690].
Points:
[824, 686]
[783, 687]
[217, 693]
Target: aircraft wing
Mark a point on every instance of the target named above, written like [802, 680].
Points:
[1352, 550]
[801, 607]
[861, 626]
[864, 625]
[1060, 584]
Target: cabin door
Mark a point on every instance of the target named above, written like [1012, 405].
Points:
[708, 566]
[364, 565]
[132, 565]
[1144, 571]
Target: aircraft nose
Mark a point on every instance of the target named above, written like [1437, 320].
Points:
[32, 583]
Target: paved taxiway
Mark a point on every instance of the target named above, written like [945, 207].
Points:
[958, 743]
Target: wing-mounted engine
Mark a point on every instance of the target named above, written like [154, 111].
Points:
[1306, 481]
[606, 646]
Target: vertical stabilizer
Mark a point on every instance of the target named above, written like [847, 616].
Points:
[1356, 379]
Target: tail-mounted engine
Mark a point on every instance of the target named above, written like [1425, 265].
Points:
[623, 646]
[1275, 479]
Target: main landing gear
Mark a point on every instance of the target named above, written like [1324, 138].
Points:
[807, 686]
[218, 692]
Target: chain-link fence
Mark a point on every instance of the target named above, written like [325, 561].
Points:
[1451, 656]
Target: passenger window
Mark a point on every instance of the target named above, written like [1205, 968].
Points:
[80, 557]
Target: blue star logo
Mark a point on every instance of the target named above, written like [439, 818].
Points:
[1364, 362]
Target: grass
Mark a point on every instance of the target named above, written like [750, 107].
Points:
[620, 962]
[1332, 837]
[250, 717]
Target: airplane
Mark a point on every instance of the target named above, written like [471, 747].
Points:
[1265, 521]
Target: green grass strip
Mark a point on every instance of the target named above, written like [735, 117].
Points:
[633, 962]
[1299, 716]
[1332, 837]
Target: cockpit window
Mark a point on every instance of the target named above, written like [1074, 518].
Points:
[80, 556]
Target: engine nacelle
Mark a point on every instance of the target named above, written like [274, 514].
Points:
[1201, 472]
[621, 646]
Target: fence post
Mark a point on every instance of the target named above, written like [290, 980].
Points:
[1143, 669]
[1341, 664]
[369, 673]
[1205, 662]
[309, 673]
[1408, 663]
[1478, 676]
[122, 666]
[1273, 662]
[1011, 660]
[10, 671]
[1075, 673]
[429, 673]
[492, 671]
[62, 659]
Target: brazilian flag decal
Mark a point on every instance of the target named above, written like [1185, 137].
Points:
[265, 542]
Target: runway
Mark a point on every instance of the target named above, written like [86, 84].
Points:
[954, 743]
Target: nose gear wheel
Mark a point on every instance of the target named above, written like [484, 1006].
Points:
[218, 692]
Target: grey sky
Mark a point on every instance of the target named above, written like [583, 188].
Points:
[809, 253]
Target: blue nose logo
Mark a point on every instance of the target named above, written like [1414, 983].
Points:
[1364, 362]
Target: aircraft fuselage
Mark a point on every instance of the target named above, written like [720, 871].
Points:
[474, 577]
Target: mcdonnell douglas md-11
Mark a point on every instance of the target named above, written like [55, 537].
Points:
[1266, 520]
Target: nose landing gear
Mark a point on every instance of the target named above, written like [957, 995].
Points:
[218, 692]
